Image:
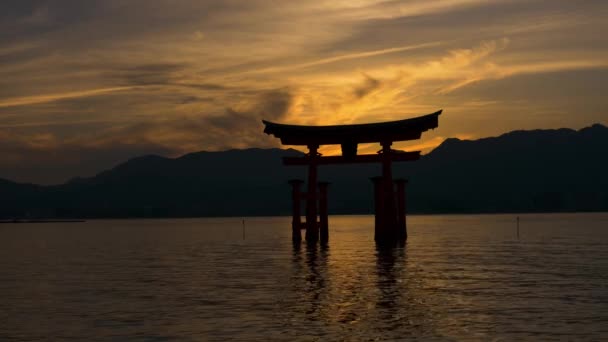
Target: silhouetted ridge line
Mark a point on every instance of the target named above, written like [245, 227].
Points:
[520, 171]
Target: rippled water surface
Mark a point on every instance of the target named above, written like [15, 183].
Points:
[458, 278]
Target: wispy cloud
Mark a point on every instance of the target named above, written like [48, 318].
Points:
[37, 99]
[346, 57]
[400, 9]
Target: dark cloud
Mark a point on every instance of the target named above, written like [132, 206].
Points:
[148, 74]
[203, 86]
[485, 21]
[72, 23]
[36, 156]
[22, 20]
[158, 74]
[238, 128]
[369, 84]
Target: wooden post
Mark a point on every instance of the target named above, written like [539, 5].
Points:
[401, 209]
[378, 207]
[312, 228]
[388, 194]
[296, 221]
[323, 212]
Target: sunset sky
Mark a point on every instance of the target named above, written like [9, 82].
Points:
[85, 85]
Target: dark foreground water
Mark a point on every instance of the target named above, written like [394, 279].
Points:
[458, 278]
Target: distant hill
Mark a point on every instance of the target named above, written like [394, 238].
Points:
[521, 171]
[542, 170]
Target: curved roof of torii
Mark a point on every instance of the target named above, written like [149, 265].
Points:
[408, 129]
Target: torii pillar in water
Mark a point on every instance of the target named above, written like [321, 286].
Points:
[390, 205]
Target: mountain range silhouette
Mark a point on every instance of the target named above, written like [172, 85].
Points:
[559, 170]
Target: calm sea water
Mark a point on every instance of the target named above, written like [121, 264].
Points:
[458, 278]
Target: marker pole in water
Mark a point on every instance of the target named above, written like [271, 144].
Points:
[243, 229]
[517, 227]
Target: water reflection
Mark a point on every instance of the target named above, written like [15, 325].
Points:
[389, 266]
[393, 307]
[311, 278]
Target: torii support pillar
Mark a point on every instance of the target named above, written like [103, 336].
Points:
[323, 213]
[388, 213]
[401, 209]
[312, 228]
[296, 220]
[378, 209]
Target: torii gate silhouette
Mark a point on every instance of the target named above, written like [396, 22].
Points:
[390, 210]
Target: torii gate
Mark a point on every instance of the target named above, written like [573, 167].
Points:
[389, 202]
